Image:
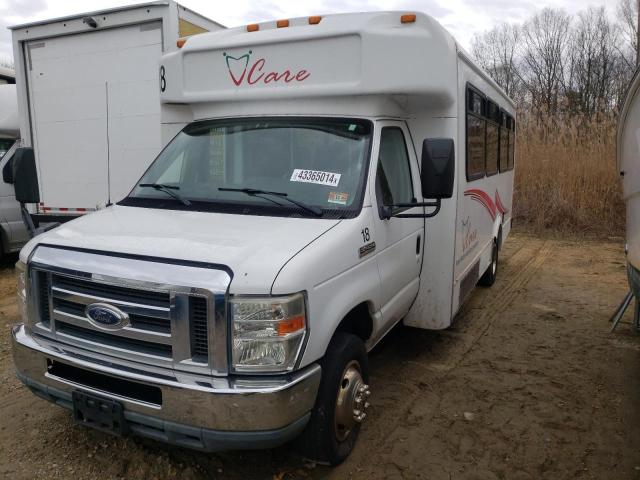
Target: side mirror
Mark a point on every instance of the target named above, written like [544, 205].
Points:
[437, 170]
[7, 171]
[25, 176]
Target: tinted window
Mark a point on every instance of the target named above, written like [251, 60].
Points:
[512, 143]
[492, 148]
[475, 146]
[504, 142]
[393, 178]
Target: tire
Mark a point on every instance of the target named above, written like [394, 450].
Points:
[345, 377]
[489, 277]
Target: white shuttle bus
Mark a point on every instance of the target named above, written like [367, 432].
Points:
[328, 177]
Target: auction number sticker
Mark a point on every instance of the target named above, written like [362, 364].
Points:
[315, 176]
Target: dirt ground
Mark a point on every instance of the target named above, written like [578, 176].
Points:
[527, 384]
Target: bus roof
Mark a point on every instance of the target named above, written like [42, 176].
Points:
[380, 53]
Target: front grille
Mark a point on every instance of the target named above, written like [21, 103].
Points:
[199, 330]
[113, 292]
[161, 331]
[44, 285]
[103, 338]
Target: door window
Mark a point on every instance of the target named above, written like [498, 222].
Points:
[393, 178]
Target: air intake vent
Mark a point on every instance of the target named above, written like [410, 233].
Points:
[44, 287]
[199, 329]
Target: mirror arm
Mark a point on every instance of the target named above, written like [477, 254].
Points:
[387, 210]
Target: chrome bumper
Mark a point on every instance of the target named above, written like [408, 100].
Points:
[203, 412]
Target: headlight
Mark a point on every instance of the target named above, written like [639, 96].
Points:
[268, 332]
[21, 272]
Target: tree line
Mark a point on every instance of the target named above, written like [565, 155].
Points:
[559, 64]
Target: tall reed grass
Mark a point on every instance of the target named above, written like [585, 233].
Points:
[566, 178]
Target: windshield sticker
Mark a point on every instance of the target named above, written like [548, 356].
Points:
[315, 176]
[338, 197]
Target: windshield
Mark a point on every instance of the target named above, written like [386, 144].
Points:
[261, 166]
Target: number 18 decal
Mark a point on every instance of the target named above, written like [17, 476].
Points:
[365, 235]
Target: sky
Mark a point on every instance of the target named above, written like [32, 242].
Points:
[463, 18]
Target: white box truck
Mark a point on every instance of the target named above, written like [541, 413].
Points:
[88, 99]
[334, 176]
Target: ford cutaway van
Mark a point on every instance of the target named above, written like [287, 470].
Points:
[327, 178]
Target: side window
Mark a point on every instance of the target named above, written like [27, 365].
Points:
[393, 178]
[504, 142]
[476, 125]
[493, 117]
[512, 142]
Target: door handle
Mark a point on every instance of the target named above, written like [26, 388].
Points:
[418, 244]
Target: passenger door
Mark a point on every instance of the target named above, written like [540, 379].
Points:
[399, 241]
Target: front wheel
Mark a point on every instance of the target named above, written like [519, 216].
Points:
[489, 276]
[341, 404]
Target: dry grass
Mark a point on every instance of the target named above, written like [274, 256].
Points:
[566, 177]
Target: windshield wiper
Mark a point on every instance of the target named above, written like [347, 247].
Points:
[169, 190]
[256, 193]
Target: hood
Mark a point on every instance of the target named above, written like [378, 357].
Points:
[255, 248]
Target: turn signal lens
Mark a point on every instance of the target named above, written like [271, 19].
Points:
[253, 27]
[181, 41]
[290, 325]
[282, 23]
[315, 20]
[408, 18]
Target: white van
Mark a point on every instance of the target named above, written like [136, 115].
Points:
[13, 234]
[331, 176]
[89, 101]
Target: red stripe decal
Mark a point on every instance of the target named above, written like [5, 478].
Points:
[484, 199]
[499, 205]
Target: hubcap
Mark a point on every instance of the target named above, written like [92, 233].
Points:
[351, 402]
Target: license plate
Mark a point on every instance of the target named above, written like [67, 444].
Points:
[97, 412]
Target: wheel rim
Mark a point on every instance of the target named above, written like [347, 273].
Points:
[351, 401]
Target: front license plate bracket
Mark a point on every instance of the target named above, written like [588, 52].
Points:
[99, 413]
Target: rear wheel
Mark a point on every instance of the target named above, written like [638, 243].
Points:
[341, 403]
[489, 276]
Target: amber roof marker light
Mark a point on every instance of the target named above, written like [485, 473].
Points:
[181, 41]
[315, 20]
[282, 23]
[408, 18]
[253, 27]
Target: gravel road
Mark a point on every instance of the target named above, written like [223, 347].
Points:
[527, 384]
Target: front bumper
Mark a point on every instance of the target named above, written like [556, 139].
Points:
[194, 411]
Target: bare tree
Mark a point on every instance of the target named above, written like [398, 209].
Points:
[545, 38]
[592, 64]
[628, 21]
[496, 52]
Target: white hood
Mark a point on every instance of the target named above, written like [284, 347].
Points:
[254, 247]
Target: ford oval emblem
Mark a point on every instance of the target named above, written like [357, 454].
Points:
[106, 317]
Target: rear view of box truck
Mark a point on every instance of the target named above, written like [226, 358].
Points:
[88, 100]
